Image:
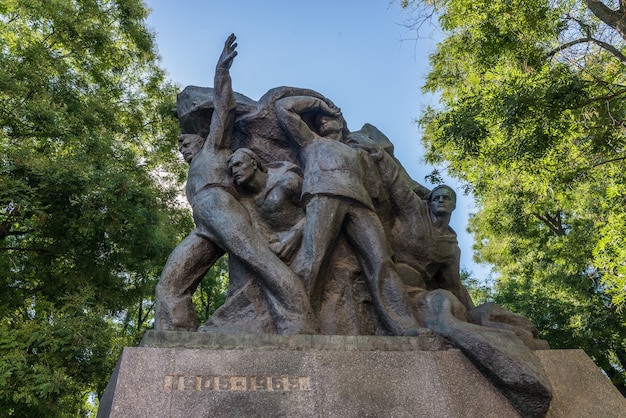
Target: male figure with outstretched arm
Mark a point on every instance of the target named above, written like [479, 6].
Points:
[224, 223]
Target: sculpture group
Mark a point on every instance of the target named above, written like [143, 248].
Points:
[326, 234]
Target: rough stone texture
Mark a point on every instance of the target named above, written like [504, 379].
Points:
[138, 380]
[590, 393]
[498, 353]
[427, 341]
[333, 377]
[466, 398]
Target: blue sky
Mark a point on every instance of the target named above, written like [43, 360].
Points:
[355, 52]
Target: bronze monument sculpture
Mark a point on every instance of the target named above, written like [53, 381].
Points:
[326, 234]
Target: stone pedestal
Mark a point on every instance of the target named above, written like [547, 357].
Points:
[177, 374]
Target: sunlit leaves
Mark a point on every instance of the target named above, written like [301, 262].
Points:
[88, 195]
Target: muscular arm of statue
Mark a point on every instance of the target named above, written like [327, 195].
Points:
[289, 111]
[285, 244]
[223, 119]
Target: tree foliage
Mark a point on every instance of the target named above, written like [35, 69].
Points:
[532, 119]
[211, 292]
[88, 187]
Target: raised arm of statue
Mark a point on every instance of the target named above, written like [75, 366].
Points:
[223, 119]
[289, 111]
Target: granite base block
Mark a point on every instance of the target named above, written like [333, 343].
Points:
[332, 376]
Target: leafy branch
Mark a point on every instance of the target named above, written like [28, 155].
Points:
[554, 223]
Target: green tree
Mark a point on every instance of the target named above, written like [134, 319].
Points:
[88, 187]
[532, 120]
[211, 292]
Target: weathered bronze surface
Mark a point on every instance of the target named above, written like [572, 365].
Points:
[326, 234]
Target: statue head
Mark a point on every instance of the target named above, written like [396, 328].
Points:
[244, 165]
[189, 145]
[442, 200]
[329, 126]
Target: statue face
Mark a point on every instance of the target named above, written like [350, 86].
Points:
[329, 126]
[242, 167]
[442, 202]
[190, 146]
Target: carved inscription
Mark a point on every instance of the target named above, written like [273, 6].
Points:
[235, 383]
